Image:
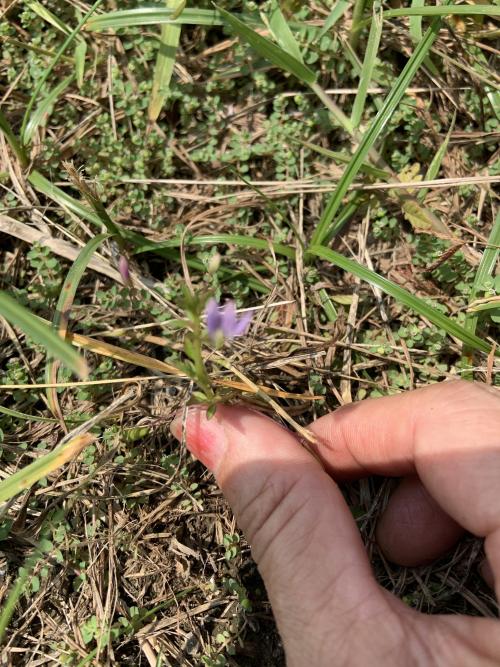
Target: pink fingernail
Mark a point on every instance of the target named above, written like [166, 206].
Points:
[205, 438]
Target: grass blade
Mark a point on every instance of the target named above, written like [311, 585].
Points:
[129, 18]
[337, 12]
[43, 185]
[436, 161]
[72, 35]
[169, 41]
[22, 415]
[374, 131]
[80, 53]
[48, 16]
[357, 23]
[416, 22]
[34, 472]
[40, 115]
[42, 334]
[98, 207]
[13, 142]
[214, 239]
[484, 271]
[269, 50]
[368, 66]
[444, 10]
[81, 47]
[404, 297]
[61, 316]
[281, 32]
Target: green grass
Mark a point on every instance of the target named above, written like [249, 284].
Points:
[358, 293]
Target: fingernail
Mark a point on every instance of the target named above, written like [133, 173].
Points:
[205, 438]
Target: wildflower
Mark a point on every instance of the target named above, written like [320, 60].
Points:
[224, 322]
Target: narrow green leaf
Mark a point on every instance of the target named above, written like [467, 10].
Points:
[13, 141]
[328, 307]
[436, 161]
[444, 10]
[494, 304]
[484, 271]
[81, 46]
[23, 415]
[337, 12]
[374, 131]
[43, 466]
[80, 53]
[43, 185]
[269, 50]
[45, 14]
[64, 304]
[130, 18]
[368, 65]
[404, 297]
[357, 23]
[9, 605]
[416, 22]
[69, 39]
[214, 239]
[278, 25]
[98, 207]
[40, 115]
[42, 334]
[165, 61]
[494, 98]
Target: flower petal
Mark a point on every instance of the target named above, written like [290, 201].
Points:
[243, 323]
[214, 317]
[229, 319]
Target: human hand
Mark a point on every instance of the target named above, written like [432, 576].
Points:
[443, 439]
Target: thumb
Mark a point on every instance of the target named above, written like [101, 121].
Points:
[302, 535]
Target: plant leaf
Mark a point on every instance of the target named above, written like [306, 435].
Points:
[165, 61]
[402, 296]
[72, 36]
[281, 32]
[43, 466]
[444, 10]
[130, 18]
[42, 334]
[80, 53]
[416, 22]
[269, 50]
[484, 270]
[211, 240]
[374, 131]
[13, 142]
[337, 12]
[368, 65]
[61, 316]
[436, 161]
[39, 116]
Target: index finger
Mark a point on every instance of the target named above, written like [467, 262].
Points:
[449, 434]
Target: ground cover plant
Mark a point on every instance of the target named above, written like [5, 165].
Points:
[330, 166]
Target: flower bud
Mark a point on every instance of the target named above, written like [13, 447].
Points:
[214, 263]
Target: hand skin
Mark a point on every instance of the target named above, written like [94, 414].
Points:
[444, 440]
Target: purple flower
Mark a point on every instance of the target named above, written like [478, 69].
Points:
[225, 321]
